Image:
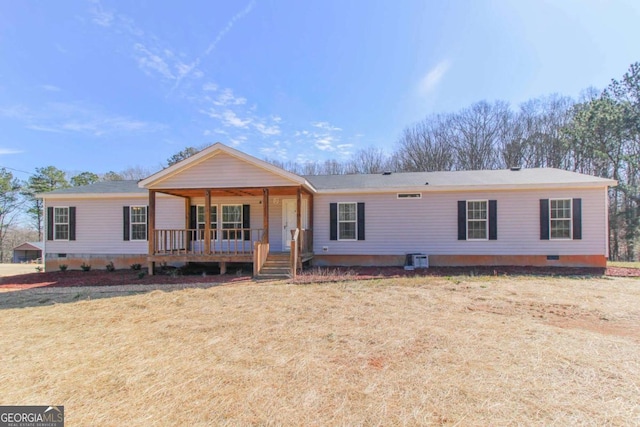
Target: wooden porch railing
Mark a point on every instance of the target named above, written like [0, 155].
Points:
[306, 241]
[294, 254]
[260, 254]
[231, 241]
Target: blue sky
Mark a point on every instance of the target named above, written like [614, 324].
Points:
[104, 85]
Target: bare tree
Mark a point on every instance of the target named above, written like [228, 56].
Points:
[424, 147]
[135, 172]
[10, 205]
[368, 160]
[476, 136]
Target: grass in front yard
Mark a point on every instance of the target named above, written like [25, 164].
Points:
[430, 350]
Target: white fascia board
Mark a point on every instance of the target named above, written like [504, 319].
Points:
[97, 196]
[465, 188]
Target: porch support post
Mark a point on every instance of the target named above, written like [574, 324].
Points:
[310, 212]
[207, 222]
[299, 221]
[152, 228]
[299, 208]
[265, 214]
[187, 223]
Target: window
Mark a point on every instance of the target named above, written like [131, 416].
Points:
[560, 218]
[232, 221]
[347, 221]
[201, 220]
[61, 223]
[138, 222]
[477, 220]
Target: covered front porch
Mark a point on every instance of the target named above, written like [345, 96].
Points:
[233, 225]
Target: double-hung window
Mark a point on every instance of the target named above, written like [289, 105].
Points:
[347, 221]
[202, 220]
[138, 222]
[231, 222]
[61, 223]
[560, 215]
[477, 223]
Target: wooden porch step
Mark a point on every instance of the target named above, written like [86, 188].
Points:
[277, 266]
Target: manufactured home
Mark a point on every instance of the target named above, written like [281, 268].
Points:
[224, 206]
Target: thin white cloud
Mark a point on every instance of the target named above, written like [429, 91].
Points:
[236, 141]
[267, 130]
[221, 34]
[325, 143]
[226, 97]
[325, 126]
[229, 118]
[430, 80]
[19, 112]
[210, 87]
[5, 151]
[99, 15]
[151, 63]
[76, 118]
[50, 88]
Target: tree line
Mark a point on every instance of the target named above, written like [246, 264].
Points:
[598, 135]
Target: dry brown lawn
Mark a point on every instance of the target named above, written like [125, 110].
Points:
[410, 351]
[14, 269]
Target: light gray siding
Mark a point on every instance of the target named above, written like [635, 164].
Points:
[99, 224]
[223, 170]
[429, 224]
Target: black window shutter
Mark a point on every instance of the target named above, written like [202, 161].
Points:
[360, 221]
[193, 217]
[544, 219]
[577, 219]
[333, 221]
[72, 223]
[246, 220]
[125, 222]
[147, 222]
[50, 223]
[462, 220]
[493, 220]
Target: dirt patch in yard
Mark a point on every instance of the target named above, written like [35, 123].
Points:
[568, 316]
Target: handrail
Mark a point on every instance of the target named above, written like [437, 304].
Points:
[294, 254]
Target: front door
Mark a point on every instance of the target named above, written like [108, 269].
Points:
[289, 221]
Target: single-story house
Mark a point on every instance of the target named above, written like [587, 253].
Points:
[28, 251]
[224, 206]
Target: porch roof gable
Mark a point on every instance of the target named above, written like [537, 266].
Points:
[156, 180]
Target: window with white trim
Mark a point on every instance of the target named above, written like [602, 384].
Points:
[477, 223]
[60, 223]
[201, 219]
[560, 216]
[347, 221]
[138, 222]
[231, 221]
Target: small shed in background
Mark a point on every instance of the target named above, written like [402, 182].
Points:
[28, 251]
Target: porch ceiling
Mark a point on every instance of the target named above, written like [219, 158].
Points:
[234, 192]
